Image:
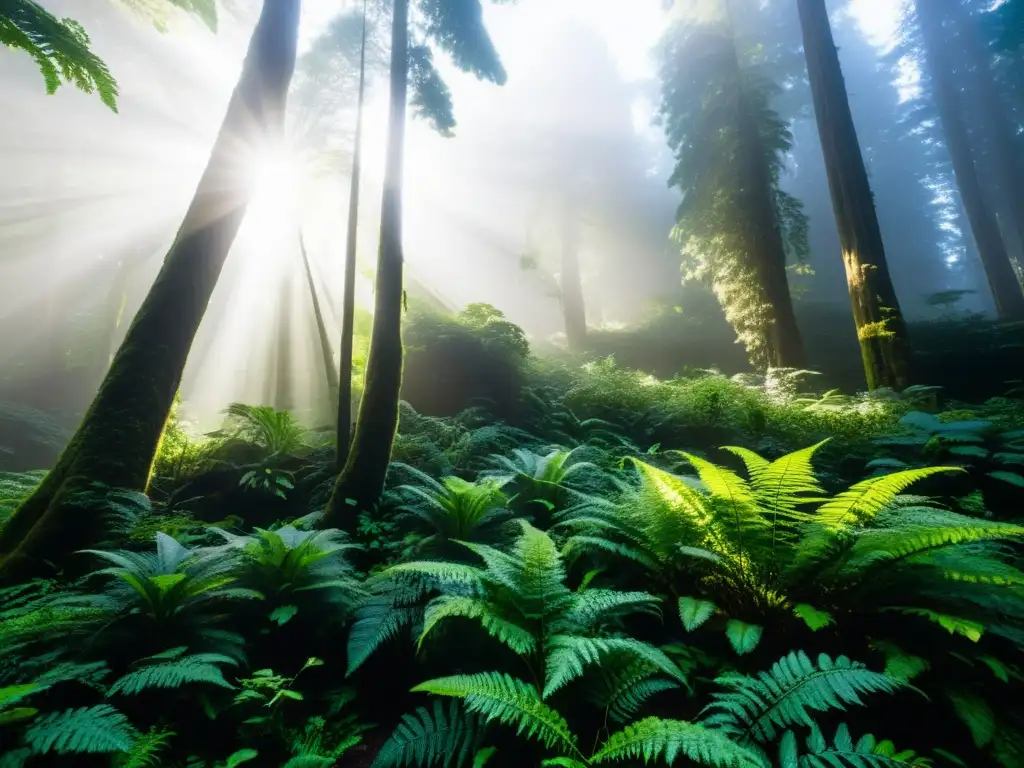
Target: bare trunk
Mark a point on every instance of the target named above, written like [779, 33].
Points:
[881, 329]
[119, 437]
[362, 478]
[1002, 280]
[348, 304]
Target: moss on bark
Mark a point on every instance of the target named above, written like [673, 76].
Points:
[118, 438]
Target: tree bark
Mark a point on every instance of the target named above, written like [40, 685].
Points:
[571, 282]
[120, 434]
[330, 372]
[362, 478]
[881, 329]
[348, 303]
[783, 343]
[1002, 280]
[992, 120]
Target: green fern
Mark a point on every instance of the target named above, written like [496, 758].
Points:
[60, 48]
[145, 752]
[95, 729]
[668, 740]
[567, 655]
[495, 696]
[758, 707]
[177, 671]
[431, 737]
[866, 752]
[864, 500]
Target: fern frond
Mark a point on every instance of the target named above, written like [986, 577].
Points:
[511, 634]
[655, 739]
[757, 707]
[496, 696]
[431, 737]
[145, 752]
[196, 668]
[864, 500]
[784, 485]
[624, 683]
[568, 655]
[95, 729]
[694, 612]
[866, 752]
[593, 606]
[378, 620]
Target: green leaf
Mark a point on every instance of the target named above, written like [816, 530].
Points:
[694, 612]
[481, 758]
[241, 756]
[1008, 477]
[814, 618]
[969, 450]
[16, 714]
[743, 637]
[283, 614]
[976, 714]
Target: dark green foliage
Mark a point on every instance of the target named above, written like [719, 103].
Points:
[60, 47]
[431, 99]
[453, 360]
[89, 729]
[438, 736]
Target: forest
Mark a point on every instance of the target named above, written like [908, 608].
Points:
[511, 383]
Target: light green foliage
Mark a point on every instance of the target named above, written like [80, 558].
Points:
[276, 432]
[204, 10]
[60, 48]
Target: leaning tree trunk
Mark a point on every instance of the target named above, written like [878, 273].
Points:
[1006, 289]
[348, 302]
[362, 478]
[330, 372]
[119, 437]
[784, 346]
[570, 280]
[992, 120]
[881, 329]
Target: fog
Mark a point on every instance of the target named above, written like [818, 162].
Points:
[90, 200]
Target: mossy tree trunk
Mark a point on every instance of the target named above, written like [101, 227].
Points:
[784, 345]
[574, 309]
[362, 478]
[1002, 280]
[282, 397]
[881, 329]
[348, 302]
[120, 434]
[330, 372]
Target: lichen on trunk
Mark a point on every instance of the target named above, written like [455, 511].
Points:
[881, 330]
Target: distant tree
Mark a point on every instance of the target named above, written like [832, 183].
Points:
[455, 26]
[880, 326]
[117, 441]
[937, 43]
[735, 225]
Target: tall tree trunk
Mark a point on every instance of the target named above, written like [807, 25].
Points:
[283, 394]
[784, 346]
[348, 303]
[881, 329]
[991, 118]
[571, 283]
[120, 434]
[362, 478]
[1002, 280]
[330, 372]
